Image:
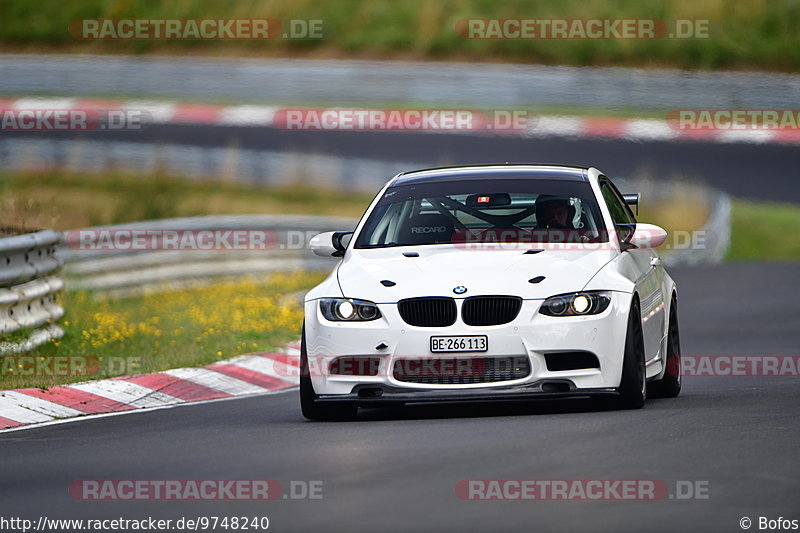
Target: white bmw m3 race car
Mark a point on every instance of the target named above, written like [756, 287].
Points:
[506, 282]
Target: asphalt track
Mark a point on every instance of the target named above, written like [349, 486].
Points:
[397, 470]
[747, 170]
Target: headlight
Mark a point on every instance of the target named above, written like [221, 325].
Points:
[348, 310]
[576, 304]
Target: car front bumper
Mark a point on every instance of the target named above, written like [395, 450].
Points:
[531, 335]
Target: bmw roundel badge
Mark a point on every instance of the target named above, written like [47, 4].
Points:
[460, 289]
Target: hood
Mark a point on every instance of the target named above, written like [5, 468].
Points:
[440, 268]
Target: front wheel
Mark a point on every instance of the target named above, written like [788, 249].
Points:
[670, 385]
[633, 385]
[313, 410]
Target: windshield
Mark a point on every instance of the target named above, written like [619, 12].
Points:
[447, 212]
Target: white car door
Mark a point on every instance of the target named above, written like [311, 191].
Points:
[649, 274]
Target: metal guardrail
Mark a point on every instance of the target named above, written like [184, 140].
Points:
[120, 273]
[339, 82]
[25, 257]
[253, 166]
[28, 289]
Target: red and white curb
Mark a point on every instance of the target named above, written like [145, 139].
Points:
[251, 374]
[165, 112]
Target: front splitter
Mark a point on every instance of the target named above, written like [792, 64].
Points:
[384, 394]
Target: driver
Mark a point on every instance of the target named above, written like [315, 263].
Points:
[553, 212]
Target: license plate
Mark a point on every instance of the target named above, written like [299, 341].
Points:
[460, 343]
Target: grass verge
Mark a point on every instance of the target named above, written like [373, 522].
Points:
[62, 201]
[753, 34]
[180, 328]
[764, 231]
[66, 201]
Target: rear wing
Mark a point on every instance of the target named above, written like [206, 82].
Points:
[633, 201]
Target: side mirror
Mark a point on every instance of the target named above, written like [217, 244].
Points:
[633, 201]
[641, 236]
[329, 244]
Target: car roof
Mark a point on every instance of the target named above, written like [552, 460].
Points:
[478, 172]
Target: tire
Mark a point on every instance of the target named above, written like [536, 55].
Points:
[670, 385]
[633, 385]
[308, 398]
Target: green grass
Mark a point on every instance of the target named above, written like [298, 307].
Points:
[746, 34]
[178, 328]
[63, 201]
[66, 201]
[765, 231]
